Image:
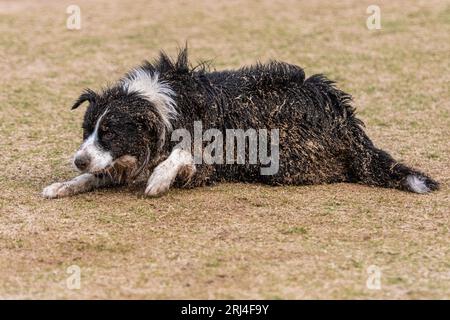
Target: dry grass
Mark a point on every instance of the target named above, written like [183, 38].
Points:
[232, 240]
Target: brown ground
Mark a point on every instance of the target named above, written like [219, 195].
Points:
[232, 240]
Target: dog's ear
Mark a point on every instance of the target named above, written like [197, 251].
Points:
[87, 95]
[156, 129]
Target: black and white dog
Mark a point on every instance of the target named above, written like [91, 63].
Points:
[127, 130]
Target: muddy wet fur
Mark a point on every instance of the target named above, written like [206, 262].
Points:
[320, 139]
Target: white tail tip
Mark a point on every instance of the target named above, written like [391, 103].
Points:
[417, 184]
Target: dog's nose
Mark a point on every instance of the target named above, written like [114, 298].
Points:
[81, 162]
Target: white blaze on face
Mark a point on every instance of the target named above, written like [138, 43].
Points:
[98, 158]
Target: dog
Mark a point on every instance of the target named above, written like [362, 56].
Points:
[128, 130]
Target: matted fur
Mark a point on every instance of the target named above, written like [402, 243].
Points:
[321, 140]
[159, 93]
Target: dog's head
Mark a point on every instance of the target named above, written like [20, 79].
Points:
[126, 123]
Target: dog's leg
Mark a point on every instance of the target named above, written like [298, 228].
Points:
[82, 183]
[179, 164]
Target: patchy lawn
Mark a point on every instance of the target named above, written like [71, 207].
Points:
[230, 240]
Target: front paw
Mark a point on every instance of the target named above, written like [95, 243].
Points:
[157, 186]
[56, 190]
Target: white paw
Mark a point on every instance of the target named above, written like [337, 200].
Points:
[56, 190]
[157, 185]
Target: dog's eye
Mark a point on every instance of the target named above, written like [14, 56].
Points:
[108, 135]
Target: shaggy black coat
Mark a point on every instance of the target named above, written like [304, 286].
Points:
[321, 140]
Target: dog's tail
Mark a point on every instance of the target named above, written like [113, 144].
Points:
[372, 166]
